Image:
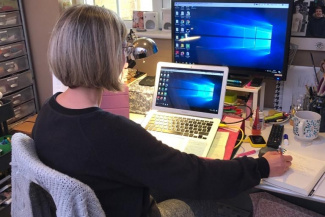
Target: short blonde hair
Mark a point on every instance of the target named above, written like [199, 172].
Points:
[85, 48]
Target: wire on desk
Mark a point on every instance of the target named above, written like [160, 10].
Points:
[250, 115]
[242, 134]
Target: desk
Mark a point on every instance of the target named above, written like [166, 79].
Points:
[315, 149]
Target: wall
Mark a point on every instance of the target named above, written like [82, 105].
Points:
[41, 16]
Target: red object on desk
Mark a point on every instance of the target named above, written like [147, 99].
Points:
[232, 139]
[116, 102]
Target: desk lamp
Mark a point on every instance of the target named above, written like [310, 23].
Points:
[141, 48]
[138, 48]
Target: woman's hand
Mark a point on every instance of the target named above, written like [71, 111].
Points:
[278, 163]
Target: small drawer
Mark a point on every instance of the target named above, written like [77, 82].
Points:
[15, 82]
[13, 66]
[22, 111]
[11, 35]
[21, 96]
[11, 51]
[8, 5]
[9, 19]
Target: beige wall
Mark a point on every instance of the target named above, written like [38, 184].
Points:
[41, 16]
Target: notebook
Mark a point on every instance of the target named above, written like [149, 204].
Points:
[192, 98]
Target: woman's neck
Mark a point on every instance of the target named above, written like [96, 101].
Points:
[80, 97]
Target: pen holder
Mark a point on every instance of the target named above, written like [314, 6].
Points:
[318, 106]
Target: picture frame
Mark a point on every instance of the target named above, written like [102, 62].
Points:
[302, 14]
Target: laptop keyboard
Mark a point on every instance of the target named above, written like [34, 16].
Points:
[183, 126]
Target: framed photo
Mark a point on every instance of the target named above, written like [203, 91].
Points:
[308, 24]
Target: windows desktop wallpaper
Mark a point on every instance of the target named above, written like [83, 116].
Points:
[239, 37]
[191, 92]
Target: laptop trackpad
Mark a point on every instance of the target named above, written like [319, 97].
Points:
[173, 141]
[188, 145]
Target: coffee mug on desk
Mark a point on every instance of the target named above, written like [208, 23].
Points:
[306, 125]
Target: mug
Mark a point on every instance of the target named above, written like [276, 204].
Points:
[306, 125]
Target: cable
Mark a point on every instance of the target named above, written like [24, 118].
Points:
[250, 115]
[238, 128]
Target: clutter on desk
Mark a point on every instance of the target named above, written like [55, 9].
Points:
[275, 116]
[140, 97]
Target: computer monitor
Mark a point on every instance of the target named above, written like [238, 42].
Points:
[252, 38]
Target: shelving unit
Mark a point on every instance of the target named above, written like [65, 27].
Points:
[17, 82]
[258, 93]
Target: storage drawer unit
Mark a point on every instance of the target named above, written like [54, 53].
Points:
[11, 35]
[9, 19]
[12, 50]
[8, 5]
[21, 96]
[23, 111]
[16, 72]
[15, 82]
[13, 66]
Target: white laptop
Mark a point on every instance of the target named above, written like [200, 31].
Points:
[192, 98]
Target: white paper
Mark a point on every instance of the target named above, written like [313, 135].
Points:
[218, 147]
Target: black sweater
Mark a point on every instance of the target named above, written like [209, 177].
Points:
[121, 161]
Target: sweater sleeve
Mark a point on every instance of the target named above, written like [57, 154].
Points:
[140, 160]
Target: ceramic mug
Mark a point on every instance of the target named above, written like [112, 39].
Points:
[306, 125]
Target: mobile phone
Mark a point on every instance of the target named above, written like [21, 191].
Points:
[257, 141]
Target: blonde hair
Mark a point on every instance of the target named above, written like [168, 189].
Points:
[85, 48]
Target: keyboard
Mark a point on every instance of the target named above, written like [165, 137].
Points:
[275, 138]
[183, 126]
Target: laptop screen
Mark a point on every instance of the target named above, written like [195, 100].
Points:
[197, 89]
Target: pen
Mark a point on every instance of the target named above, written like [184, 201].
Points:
[234, 81]
[285, 139]
[316, 186]
[246, 153]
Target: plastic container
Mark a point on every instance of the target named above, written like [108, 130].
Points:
[256, 128]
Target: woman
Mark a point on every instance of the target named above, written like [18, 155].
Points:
[116, 157]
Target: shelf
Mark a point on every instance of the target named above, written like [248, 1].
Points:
[159, 34]
[255, 90]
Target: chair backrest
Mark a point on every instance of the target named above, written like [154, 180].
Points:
[33, 181]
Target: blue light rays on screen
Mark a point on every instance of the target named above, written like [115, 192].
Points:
[202, 92]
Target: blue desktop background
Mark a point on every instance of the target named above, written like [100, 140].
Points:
[239, 37]
[194, 92]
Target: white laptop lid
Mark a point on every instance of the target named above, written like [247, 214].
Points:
[195, 90]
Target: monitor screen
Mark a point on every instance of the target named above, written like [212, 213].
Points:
[251, 38]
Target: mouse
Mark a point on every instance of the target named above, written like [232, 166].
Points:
[264, 150]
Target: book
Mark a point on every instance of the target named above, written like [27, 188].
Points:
[305, 176]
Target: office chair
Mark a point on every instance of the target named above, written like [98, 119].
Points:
[38, 190]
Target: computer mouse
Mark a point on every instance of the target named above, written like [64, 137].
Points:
[264, 150]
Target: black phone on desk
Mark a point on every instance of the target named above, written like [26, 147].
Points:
[257, 141]
[148, 81]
